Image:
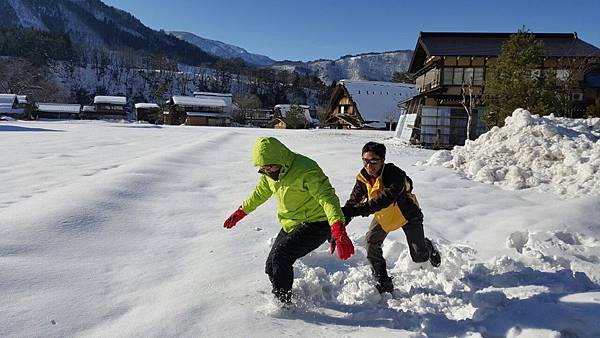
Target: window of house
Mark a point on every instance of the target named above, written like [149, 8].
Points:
[468, 76]
[448, 75]
[478, 76]
[458, 76]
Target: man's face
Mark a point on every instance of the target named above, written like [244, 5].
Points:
[372, 163]
[271, 168]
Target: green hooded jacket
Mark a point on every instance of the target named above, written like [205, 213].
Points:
[302, 190]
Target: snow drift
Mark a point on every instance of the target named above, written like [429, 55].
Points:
[550, 154]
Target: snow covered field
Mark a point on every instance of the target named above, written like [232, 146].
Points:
[115, 230]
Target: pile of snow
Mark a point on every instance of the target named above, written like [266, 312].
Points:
[551, 154]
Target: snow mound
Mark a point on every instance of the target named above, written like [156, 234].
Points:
[551, 154]
[554, 270]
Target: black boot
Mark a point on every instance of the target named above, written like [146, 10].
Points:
[385, 285]
[284, 296]
[434, 255]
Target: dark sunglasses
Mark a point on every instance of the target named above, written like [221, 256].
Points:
[371, 161]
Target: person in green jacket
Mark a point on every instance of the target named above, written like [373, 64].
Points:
[307, 208]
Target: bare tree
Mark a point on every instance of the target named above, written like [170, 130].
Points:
[244, 105]
[391, 117]
[468, 103]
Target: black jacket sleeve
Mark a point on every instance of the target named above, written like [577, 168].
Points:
[358, 195]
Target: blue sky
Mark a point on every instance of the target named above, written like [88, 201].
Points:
[312, 29]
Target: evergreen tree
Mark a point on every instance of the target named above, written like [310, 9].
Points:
[294, 119]
[593, 110]
[513, 81]
[402, 77]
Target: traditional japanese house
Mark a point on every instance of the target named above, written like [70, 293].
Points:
[196, 111]
[225, 97]
[57, 111]
[149, 112]
[308, 118]
[107, 107]
[9, 106]
[262, 118]
[367, 104]
[22, 101]
[447, 64]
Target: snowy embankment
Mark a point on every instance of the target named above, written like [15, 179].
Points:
[558, 155]
[116, 230]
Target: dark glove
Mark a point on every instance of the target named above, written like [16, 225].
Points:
[234, 218]
[351, 211]
[341, 241]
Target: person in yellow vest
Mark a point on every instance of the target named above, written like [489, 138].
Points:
[384, 190]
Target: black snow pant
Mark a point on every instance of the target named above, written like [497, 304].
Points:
[288, 247]
[419, 252]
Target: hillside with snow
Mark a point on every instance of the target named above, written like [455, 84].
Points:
[115, 230]
[223, 50]
[369, 66]
[92, 25]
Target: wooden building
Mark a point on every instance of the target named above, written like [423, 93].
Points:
[196, 111]
[57, 111]
[262, 118]
[149, 112]
[10, 106]
[367, 104]
[308, 119]
[227, 98]
[106, 107]
[444, 63]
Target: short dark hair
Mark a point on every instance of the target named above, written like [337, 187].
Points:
[374, 147]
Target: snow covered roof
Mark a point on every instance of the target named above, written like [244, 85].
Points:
[89, 108]
[22, 99]
[59, 108]
[376, 99]
[212, 94]
[121, 100]
[199, 102]
[285, 107]
[204, 114]
[7, 98]
[146, 105]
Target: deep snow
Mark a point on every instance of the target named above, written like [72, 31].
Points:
[115, 230]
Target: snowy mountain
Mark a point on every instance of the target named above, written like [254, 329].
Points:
[370, 66]
[93, 24]
[224, 50]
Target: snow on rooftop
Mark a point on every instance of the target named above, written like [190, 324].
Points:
[143, 105]
[199, 102]
[551, 154]
[375, 100]
[205, 114]
[22, 99]
[212, 94]
[285, 107]
[59, 108]
[7, 98]
[121, 100]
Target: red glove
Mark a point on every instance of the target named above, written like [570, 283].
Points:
[234, 218]
[340, 240]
